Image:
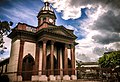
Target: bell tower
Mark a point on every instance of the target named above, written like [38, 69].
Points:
[46, 14]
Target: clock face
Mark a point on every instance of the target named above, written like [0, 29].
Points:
[51, 20]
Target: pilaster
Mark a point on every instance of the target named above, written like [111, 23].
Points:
[37, 59]
[20, 57]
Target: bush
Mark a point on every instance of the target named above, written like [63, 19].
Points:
[4, 78]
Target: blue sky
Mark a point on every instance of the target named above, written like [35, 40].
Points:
[95, 23]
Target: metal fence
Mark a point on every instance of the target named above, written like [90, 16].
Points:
[96, 73]
[85, 73]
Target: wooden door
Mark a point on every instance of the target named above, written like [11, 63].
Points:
[27, 68]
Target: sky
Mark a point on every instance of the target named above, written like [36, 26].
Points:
[96, 23]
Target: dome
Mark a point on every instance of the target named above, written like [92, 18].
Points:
[46, 9]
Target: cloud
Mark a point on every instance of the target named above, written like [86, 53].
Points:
[72, 9]
[107, 37]
[68, 11]
[21, 14]
[108, 25]
[82, 57]
[108, 22]
[101, 50]
[101, 28]
[114, 46]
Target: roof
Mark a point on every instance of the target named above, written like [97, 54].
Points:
[89, 63]
[59, 30]
[33, 31]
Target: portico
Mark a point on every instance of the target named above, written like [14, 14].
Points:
[62, 50]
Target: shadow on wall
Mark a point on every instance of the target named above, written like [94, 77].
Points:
[4, 78]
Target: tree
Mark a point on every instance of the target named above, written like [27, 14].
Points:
[110, 60]
[4, 30]
[78, 63]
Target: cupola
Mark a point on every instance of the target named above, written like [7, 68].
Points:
[46, 14]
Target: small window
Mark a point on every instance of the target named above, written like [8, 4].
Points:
[44, 19]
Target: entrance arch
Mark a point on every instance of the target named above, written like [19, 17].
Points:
[27, 67]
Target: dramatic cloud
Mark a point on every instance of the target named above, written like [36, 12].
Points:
[82, 57]
[107, 37]
[100, 50]
[101, 29]
[67, 10]
[71, 9]
[116, 45]
[108, 22]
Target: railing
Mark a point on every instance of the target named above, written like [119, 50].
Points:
[88, 73]
[103, 74]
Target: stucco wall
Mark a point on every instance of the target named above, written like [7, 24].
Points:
[40, 60]
[13, 62]
[61, 62]
[29, 48]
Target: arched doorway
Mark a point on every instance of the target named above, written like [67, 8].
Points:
[27, 67]
[48, 66]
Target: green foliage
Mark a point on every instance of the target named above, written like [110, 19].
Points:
[78, 63]
[4, 30]
[110, 60]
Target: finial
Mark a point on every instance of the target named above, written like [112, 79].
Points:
[45, 0]
[46, 3]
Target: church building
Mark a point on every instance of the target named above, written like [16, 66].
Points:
[42, 53]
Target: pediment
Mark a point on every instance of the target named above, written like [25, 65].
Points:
[62, 31]
[58, 31]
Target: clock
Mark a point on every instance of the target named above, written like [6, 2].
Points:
[51, 20]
